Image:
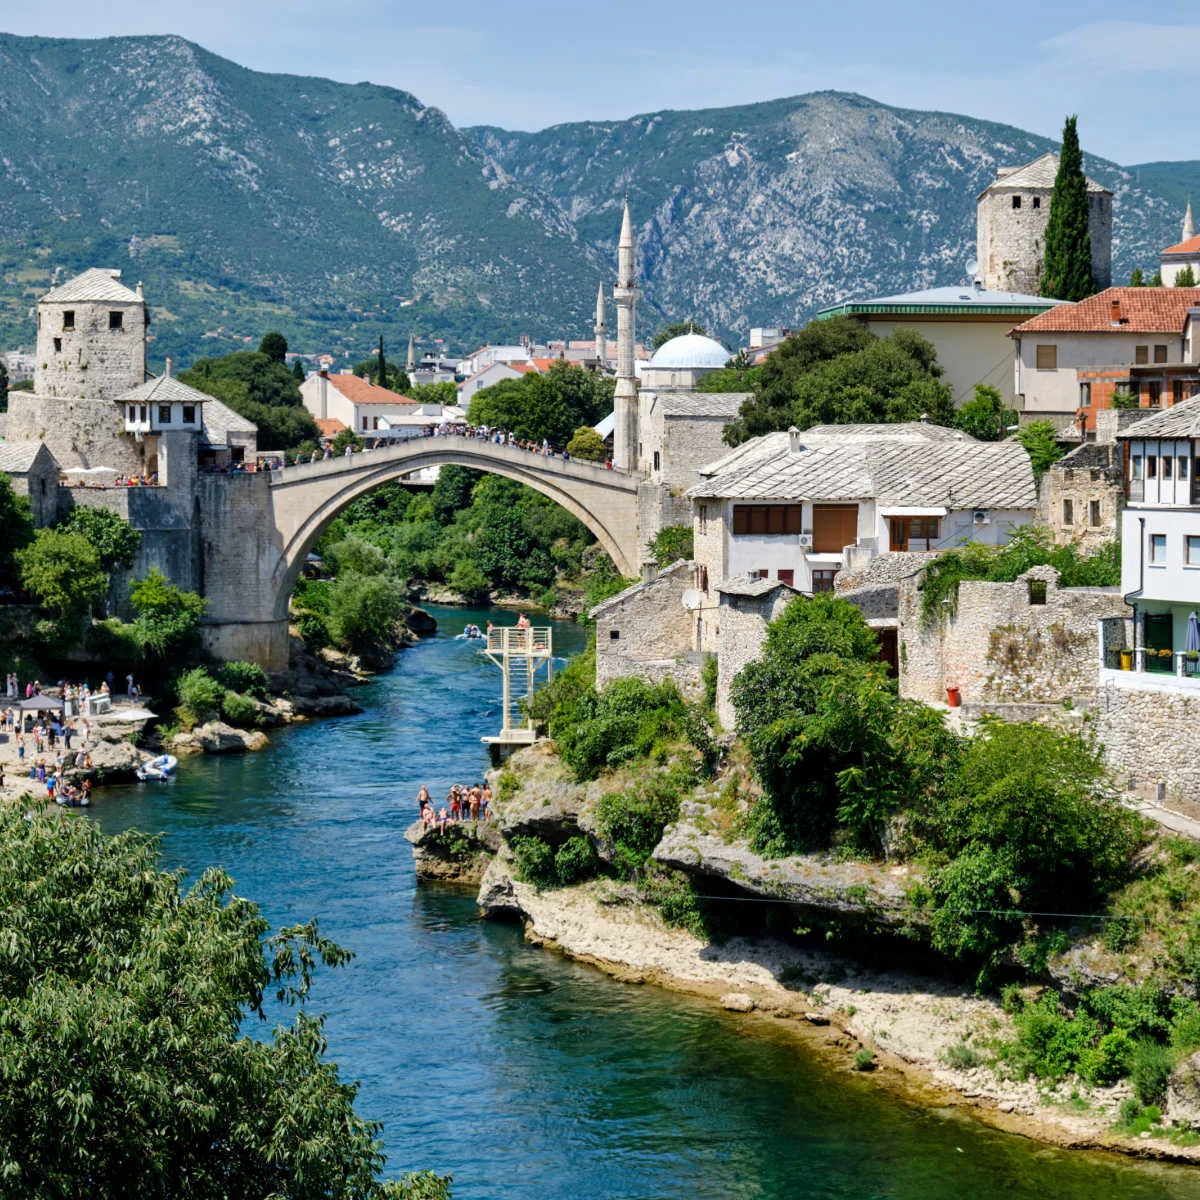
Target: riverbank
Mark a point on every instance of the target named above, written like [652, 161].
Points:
[911, 1022]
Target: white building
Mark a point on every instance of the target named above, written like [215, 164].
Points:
[492, 373]
[797, 507]
[1160, 547]
[358, 404]
[486, 356]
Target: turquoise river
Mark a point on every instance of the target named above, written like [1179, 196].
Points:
[521, 1074]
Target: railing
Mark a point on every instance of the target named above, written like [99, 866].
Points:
[512, 639]
[1137, 665]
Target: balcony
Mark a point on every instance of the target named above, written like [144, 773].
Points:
[1124, 665]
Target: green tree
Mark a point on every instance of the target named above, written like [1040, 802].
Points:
[366, 611]
[676, 329]
[1124, 399]
[1067, 264]
[445, 394]
[550, 406]
[1040, 439]
[16, 529]
[985, 416]
[452, 491]
[298, 371]
[587, 444]
[1186, 277]
[1156, 279]
[1137, 278]
[167, 618]
[345, 437]
[62, 571]
[3, 387]
[672, 543]
[274, 346]
[127, 992]
[112, 537]
[830, 741]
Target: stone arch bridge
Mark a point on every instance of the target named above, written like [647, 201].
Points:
[257, 529]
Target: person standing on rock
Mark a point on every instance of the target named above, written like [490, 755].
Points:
[422, 800]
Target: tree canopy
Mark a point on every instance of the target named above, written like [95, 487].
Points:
[112, 537]
[837, 371]
[274, 346]
[1067, 264]
[985, 417]
[62, 571]
[16, 528]
[550, 406]
[127, 1071]
[676, 329]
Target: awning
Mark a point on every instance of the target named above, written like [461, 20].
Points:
[912, 510]
[42, 703]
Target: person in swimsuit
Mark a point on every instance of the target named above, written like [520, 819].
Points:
[422, 800]
[475, 803]
[485, 801]
[455, 809]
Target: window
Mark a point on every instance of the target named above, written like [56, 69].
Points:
[768, 519]
[1141, 355]
[116, 320]
[1193, 550]
[1177, 392]
[69, 319]
[1037, 202]
[614, 635]
[142, 410]
[1068, 509]
[1047, 358]
[789, 577]
[657, 461]
[822, 580]
[1168, 462]
[1016, 202]
[1094, 512]
[189, 414]
[1085, 395]
[903, 530]
[1154, 391]
[761, 573]
[374, 422]
[1158, 548]
[703, 514]
[702, 579]
[1151, 466]
[1135, 466]
[58, 345]
[164, 414]
[1160, 354]
[835, 526]
[1183, 468]
[364, 422]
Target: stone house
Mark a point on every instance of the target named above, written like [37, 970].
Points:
[1071, 358]
[33, 472]
[798, 507]
[1011, 216]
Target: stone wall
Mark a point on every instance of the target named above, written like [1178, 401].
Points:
[79, 433]
[742, 629]
[1149, 740]
[1091, 474]
[1001, 648]
[90, 358]
[646, 631]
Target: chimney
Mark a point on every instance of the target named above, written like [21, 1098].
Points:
[167, 368]
[1116, 310]
[794, 443]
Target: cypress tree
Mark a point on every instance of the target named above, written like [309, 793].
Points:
[381, 378]
[1067, 266]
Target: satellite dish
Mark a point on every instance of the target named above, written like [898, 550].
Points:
[972, 268]
[691, 599]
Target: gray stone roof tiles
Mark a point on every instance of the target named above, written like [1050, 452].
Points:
[97, 283]
[1181, 420]
[701, 404]
[1038, 174]
[163, 389]
[17, 457]
[746, 585]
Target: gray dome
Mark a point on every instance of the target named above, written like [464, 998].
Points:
[691, 351]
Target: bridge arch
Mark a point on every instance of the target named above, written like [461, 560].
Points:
[306, 498]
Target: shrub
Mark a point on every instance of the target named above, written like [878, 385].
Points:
[672, 543]
[111, 536]
[864, 1060]
[314, 631]
[533, 861]
[62, 572]
[961, 1057]
[365, 611]
[245, 677]
[674, 895]
[167, 624]
[708, 676]
[587, 444]
[239, 710]
[634, 819]
[575, 861]
[200, 696]
[1149, 1068]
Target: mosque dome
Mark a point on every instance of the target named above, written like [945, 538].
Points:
[690, 352]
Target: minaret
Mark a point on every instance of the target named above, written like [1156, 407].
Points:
[601, 330]
[411, 365]
[1189, 230]
[625, 402]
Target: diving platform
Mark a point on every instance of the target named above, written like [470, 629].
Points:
[521, 654]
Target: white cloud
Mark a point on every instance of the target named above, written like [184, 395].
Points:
[1110, 45]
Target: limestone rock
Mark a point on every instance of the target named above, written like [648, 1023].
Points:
[497, 896]
[1183, 1093]
[218, 738]
[339, 705]
[737, 1002]
[420, 622]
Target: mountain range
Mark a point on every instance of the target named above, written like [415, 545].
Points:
[335, 212]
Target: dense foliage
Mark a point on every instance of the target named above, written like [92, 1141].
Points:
[836, 371]
[1040, 439]
[112, 537]
[672, 543]
[126, 1069]
[551, 406]
[62, 571]
[1067, 261]
[1029, 546]
[984, 416]
[16, 530]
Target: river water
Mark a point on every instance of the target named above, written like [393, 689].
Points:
[522, 1074]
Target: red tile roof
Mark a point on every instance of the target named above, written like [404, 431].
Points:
[520, 368]
[359, 391]
[1191, 246]
[329, 426]
[544, 364]
[1142, 310]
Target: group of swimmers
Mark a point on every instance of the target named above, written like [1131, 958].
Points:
[462, 804]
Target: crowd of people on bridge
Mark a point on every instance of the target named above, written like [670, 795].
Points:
[463, 805]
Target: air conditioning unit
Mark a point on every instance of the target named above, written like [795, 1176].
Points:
[804, 541]
[980, 517]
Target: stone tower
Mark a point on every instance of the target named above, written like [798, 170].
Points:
[411, 365]
[601, 330]
[625, 402]
[1010, 227]
[1189, 230]
[91, 338]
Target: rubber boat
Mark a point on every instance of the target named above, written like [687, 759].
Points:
[472, 633]
[162, 767]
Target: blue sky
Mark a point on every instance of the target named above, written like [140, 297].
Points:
[535, 64]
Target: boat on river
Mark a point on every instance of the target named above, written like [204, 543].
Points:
[472, 633]
[160, 768]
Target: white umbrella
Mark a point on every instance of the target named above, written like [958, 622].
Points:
[91, 471]
[1193, 633]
